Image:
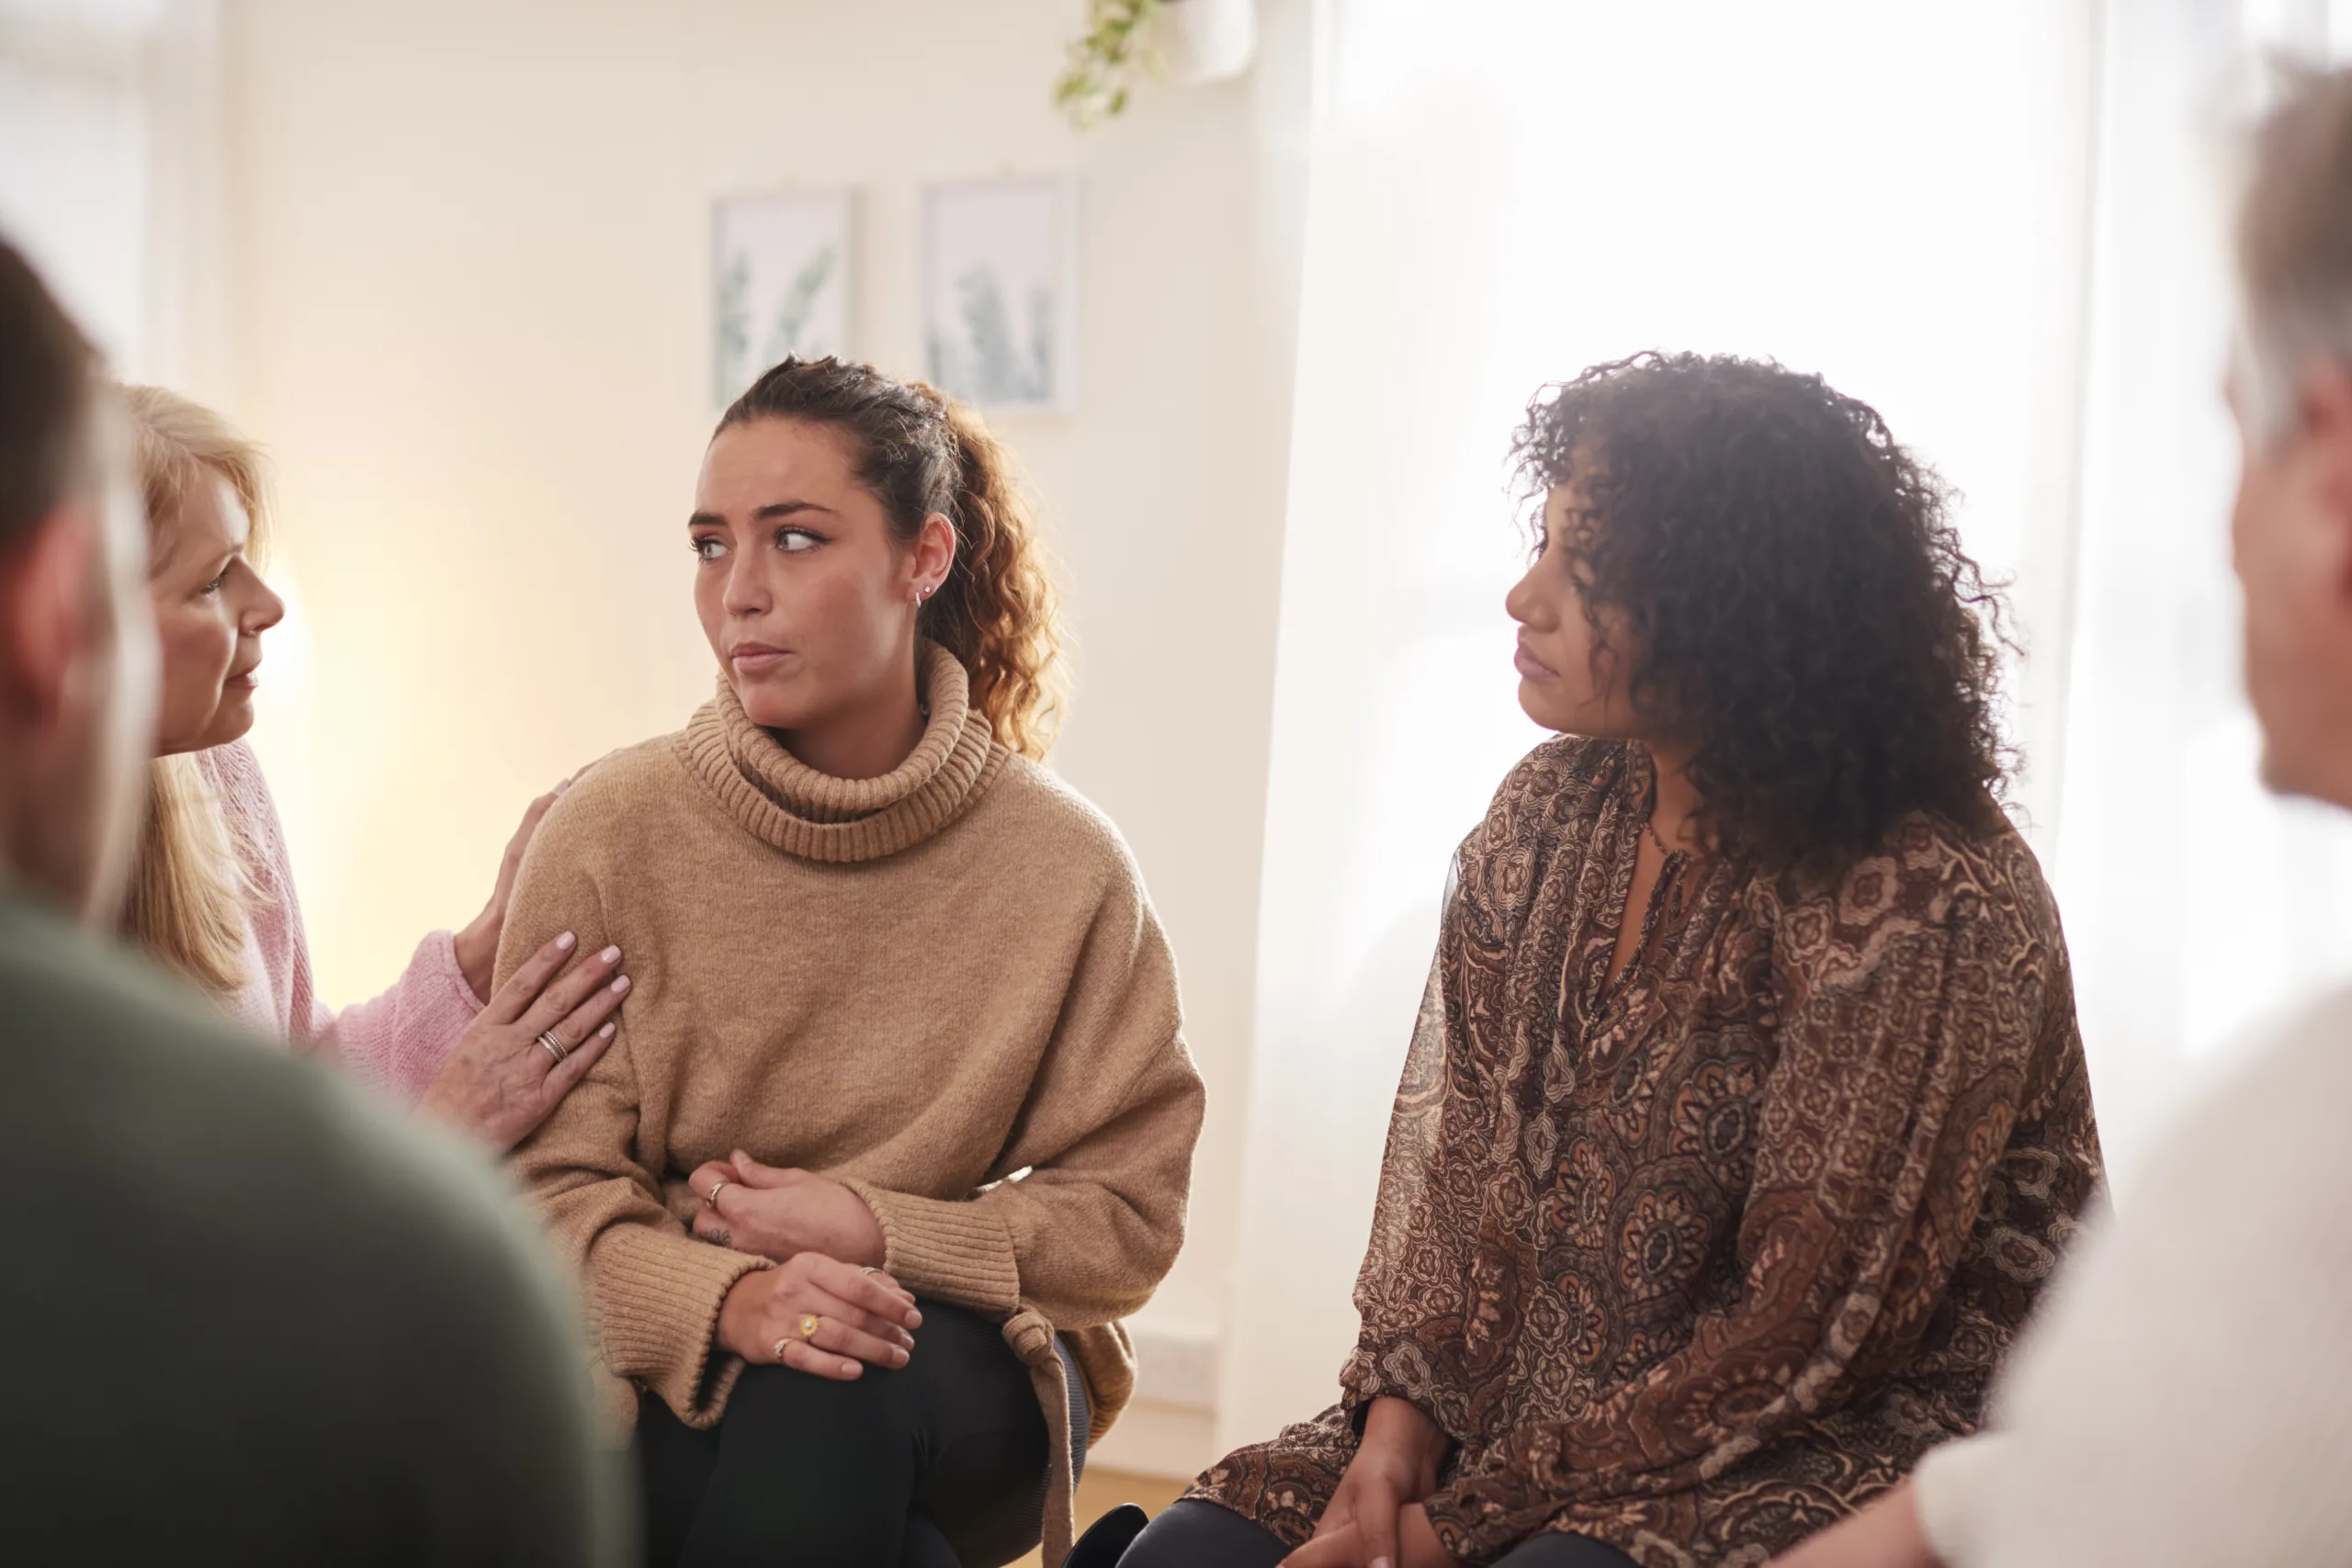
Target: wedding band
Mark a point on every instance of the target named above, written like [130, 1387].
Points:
[710, 1200]
[779, 1349]
[810, 1323]
[869, 1270]
[552, 1046]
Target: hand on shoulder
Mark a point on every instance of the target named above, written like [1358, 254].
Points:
[537, 1038]
[477, 944]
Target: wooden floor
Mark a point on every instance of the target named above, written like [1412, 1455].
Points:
[1101, 1490]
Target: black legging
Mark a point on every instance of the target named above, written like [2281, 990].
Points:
[1201, 1535]
[897, 1468]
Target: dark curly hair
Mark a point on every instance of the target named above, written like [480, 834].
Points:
[1798, 597]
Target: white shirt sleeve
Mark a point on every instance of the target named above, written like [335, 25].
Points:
[1952, 1487]
[2185, 1400]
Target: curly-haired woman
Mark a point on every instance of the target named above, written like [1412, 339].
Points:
[900, 1123]
[1747, 1114]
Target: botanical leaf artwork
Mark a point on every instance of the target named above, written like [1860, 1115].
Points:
[782, 263]
[732, 327]
[987, 362]
[786, 337]
[998, 279]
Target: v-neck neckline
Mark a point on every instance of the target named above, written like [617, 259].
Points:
[1667, 913]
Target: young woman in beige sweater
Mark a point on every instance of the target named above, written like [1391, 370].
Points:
[899, 1122]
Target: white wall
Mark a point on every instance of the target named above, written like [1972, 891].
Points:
[469, 320]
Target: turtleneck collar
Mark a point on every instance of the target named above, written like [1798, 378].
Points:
[797, 809]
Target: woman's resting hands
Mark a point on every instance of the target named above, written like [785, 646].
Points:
[779, 1213]
[1375, 1519]
[831, 1250]
[819, 1314]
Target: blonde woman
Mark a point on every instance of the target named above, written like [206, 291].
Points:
[901, 1121]
[213, 896]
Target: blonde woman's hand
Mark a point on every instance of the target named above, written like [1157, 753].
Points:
[859, 1318]
[477, 945]
[502, 1079]
[779, 1213]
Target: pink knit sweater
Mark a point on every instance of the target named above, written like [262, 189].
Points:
[396, 1041]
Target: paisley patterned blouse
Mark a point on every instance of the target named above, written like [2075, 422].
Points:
[1696, 1260]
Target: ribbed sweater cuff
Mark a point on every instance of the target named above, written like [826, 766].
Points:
[657, 1300]
[956, 1252]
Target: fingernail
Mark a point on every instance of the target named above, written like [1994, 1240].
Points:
[621, 984]
[566, 942]
[606, 1032]
[609, 955]
[560, 787]
[848, 1369]
[898, 1358]
[914, 1320]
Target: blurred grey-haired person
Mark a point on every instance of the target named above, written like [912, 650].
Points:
[2185, 1399]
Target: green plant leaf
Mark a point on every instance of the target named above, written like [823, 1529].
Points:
[1099, 75]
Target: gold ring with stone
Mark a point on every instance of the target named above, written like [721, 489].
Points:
[810, 1323]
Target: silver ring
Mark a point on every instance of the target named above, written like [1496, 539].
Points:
[711, 1201]
[553, 1047]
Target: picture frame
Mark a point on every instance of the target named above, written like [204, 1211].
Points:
[783, 265]
[1000, 283]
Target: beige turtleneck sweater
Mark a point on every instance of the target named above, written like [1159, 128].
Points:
[944, 988]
